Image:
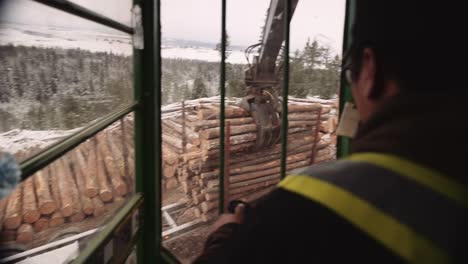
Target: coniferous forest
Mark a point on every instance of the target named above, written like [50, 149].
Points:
[53, 88]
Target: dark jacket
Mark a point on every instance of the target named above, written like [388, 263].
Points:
[287, 228]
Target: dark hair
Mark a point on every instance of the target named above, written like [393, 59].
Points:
[419, 44]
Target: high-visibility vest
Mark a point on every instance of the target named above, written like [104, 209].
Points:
[415, 212]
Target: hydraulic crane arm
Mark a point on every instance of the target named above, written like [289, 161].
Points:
[261, 77]
[273, 38]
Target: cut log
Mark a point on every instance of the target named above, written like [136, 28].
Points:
[235, 130]
[171, 183]
[209, 216]
[206, 124]
[41, 224]
[230, 112]
[113, 172]
[56, 219]
[77, 207]
[55, 192]
[105, 191]
[45, 201]
[294, 108]
[99, 208]
[169, 171]
[86, 203]
[118, 155]
[64, 188]
[13, 209]
[77, 217]
[30, 212]
[89, 171]
[25, 234]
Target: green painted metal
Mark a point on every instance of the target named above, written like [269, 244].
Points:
[285, 92]
[47, 156]
[104, 235]
[343, 146]
[77, 10]
[222, 88]
[168, 257]
[148, 131]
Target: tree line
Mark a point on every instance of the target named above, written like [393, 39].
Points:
[54, 88]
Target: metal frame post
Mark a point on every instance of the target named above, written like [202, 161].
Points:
[222, 88]
[148, 131]
[284, 108]
[343, 146]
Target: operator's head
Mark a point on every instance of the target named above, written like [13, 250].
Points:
[405, 47]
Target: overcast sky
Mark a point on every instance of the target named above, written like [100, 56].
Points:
[200, 19]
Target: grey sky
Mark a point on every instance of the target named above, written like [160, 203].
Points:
[200, 19]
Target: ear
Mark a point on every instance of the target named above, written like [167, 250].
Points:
[367, 75]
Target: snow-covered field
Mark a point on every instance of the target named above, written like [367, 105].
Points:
[97, 41]
[19, 139]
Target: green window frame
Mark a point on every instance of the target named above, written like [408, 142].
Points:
[148, 133]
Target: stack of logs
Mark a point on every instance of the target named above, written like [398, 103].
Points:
[80, 185]
[191, 149]
[86, 181]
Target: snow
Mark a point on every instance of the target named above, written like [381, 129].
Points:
[96, 41]
[18, 139]
[42, 36]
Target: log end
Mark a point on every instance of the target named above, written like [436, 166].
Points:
[91, 192]
[78, 217]
[47, 208]
[106, 196]
[67, 210]
[11, 223]
[99, 211]
[25, 234]
[41, 224]
[197, 212]
[31, 216]
[57, 219]
[88, 210]
[172, 184]
[121, 189]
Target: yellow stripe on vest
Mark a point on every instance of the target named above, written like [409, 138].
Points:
[425, 176]
[398, 237]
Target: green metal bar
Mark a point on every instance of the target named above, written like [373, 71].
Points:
[284, 112]
[77, 10]
[122, 257]
[343, 147]
[47, 156]
[148, 131]
[105, 234]
[168, 257]
[222, 88]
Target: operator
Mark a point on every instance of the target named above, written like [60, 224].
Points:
[401, 196]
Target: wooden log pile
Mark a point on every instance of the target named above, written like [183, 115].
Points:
[84, 182]
[191, 149]
[79, 185]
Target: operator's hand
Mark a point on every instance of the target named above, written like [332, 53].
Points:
[237, 217]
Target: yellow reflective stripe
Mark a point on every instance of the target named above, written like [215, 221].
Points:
[396, 236]
[424, 176]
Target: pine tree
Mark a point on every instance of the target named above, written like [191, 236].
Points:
[199, 89]
[228, 47]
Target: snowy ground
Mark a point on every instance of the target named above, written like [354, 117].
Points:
[96, 41]
[17, 139]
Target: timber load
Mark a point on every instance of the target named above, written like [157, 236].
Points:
[101, 171]
[84, 183]
[191, 148]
